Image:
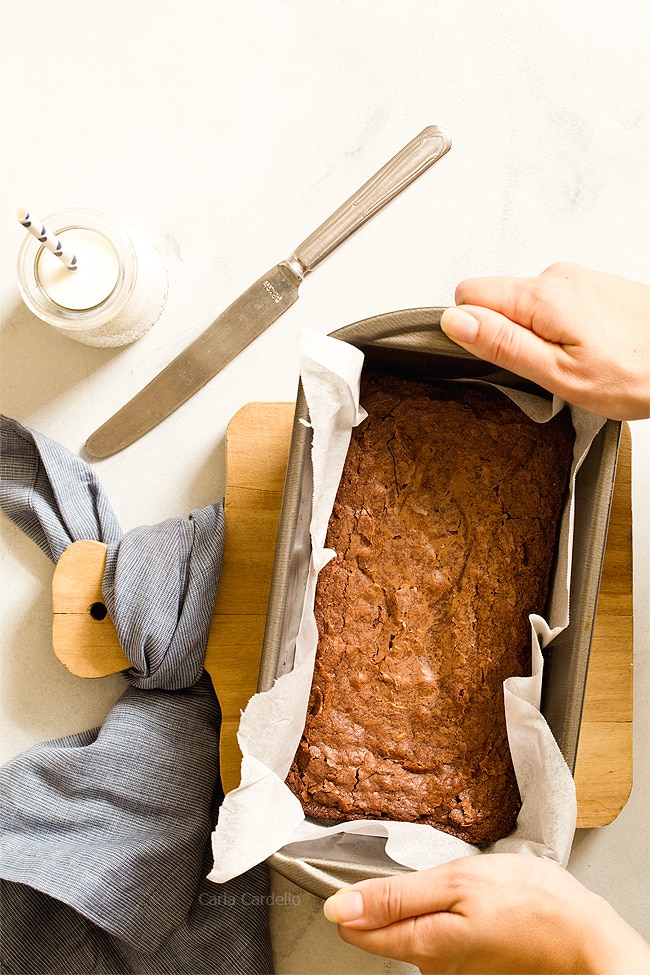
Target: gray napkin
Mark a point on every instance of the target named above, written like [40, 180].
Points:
[105, 835]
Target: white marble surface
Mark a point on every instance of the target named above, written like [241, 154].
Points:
[225, 133]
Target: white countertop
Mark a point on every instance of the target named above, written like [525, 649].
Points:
[225, 133]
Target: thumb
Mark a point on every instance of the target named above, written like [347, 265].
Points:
[495, 338]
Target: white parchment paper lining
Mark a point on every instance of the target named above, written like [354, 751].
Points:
[262, 815]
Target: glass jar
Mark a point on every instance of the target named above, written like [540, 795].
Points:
[117, 292]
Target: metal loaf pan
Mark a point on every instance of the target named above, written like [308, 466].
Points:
[410, 342]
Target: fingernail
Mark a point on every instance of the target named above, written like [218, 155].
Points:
[344, 905]
[459, 325]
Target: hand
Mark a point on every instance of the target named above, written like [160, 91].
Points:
[489, 913]
[582, 334]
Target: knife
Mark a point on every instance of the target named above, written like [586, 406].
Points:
[258, 307]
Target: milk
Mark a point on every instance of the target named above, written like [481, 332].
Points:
[93, 279]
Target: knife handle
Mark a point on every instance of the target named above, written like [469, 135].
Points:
[409, 163]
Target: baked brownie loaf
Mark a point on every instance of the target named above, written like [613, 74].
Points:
[445, 527]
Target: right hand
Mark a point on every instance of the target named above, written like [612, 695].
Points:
[581, 334]
[497, 912]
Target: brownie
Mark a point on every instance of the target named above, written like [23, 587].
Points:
[444, 528]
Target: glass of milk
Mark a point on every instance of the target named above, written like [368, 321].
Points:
[117, 291]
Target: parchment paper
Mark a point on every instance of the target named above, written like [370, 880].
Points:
[262, 815]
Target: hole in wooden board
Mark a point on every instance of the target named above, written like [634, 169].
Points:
[98, 611]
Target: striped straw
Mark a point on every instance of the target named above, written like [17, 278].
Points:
[48, 240]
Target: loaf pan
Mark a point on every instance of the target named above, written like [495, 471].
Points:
[410, 342]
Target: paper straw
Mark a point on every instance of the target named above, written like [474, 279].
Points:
[48, 240]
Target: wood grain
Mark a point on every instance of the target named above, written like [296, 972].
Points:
[257, 445]
[603, 773]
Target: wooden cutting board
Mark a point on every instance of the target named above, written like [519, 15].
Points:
[257, 445]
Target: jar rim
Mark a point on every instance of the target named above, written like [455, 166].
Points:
[42, 305]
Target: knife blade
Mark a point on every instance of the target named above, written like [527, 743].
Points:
[263, 303]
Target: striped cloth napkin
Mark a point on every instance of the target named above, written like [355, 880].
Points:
[105, 835]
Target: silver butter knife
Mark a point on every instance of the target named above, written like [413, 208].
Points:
[263, 302]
